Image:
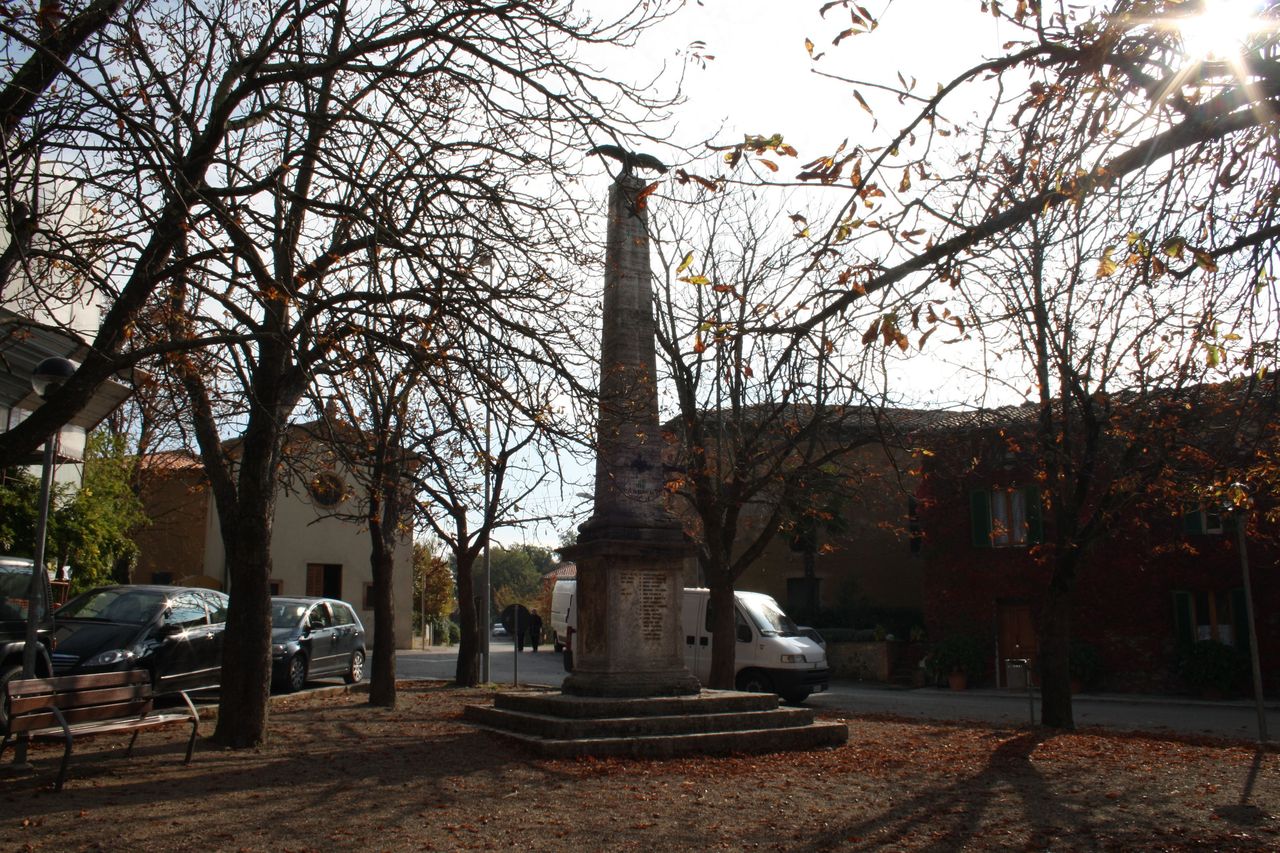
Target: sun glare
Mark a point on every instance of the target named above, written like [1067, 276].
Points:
[1221, 30]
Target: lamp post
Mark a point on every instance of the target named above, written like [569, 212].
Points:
[486, 628]
[1238, 504]
[47, 378]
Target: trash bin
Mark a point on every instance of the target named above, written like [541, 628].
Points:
[1015, 673]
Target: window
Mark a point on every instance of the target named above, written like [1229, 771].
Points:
[186, 610]
[1199, 522]
[741, 628]
[1006, 518]
[1210, 615]
[324, 580]
[318, 618]
[217, 604]
[275, 587]
[915, 533]
[342, 614]
[803, 596]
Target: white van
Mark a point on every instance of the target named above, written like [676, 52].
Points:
[771, 656]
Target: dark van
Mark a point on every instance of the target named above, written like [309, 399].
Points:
[15, 581]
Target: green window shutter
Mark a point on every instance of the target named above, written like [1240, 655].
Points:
[1240, 620]
[980, 518]
[1035, 515]
[1183, 619]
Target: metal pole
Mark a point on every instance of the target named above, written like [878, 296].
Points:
[515, 649]
[35, 591]
[1241, 520]
[485, 643]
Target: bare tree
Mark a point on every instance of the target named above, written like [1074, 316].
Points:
[1106, 219]
[260, 161]
[763, 430]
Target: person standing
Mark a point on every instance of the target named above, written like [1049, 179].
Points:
[535, 629]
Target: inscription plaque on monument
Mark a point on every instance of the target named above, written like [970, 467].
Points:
[649, 597]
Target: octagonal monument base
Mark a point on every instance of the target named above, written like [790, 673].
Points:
[715, 722]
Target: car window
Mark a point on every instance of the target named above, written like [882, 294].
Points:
[739, 624]
[319, 617]
[342, 614]
[185, 609]
[217, 604]
[114, 604]
[286, 615]
[14, 583]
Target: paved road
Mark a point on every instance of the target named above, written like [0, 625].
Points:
[1235, 719]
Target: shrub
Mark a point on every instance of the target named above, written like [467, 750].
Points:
[1084, 663]
[958, 653]
[1212, 666]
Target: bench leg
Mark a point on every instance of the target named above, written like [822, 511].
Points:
[66, 753]
[195, 725]
[129, 751]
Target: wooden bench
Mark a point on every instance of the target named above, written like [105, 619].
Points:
[74, 705]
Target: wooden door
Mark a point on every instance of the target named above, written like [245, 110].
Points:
[1017, 635]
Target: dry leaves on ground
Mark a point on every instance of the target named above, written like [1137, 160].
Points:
[340, 775]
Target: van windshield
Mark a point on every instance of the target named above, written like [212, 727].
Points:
[768, 617]
[14, 583]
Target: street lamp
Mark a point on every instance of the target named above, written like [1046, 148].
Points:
[1237, 503]
[48, 377]
[486, 628]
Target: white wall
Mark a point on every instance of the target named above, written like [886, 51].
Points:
[303, 534]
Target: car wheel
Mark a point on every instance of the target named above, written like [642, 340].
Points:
[355, 672]
[795, 697]
[6, 676]
[296, 677]
[754, 681]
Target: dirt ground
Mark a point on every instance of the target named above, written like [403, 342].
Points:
[339, 775]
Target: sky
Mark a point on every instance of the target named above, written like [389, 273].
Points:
[770, 66]
[762, 81]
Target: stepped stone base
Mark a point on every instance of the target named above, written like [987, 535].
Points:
[558, 725]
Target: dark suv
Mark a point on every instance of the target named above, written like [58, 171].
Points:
[173, 632]
[15, 581]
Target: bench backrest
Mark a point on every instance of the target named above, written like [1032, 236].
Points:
[80, 698]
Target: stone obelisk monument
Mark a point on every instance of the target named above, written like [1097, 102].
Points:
[630, 552]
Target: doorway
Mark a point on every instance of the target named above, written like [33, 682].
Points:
[1017, 638]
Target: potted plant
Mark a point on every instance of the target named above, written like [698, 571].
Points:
[960, 658]
[1212, 669]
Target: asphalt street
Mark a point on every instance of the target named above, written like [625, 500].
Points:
[1235, 719]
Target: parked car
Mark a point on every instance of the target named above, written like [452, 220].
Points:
[812, 634]
[173, 632]
[15, 580]
[499, 630]
[313, 637]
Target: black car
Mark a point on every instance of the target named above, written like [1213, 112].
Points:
[313, 637]
[173, 632]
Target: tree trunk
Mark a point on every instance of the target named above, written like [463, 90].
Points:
[246, 652]
[467, 673]
[1055, 646]
[382, 678]
[724, 638]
